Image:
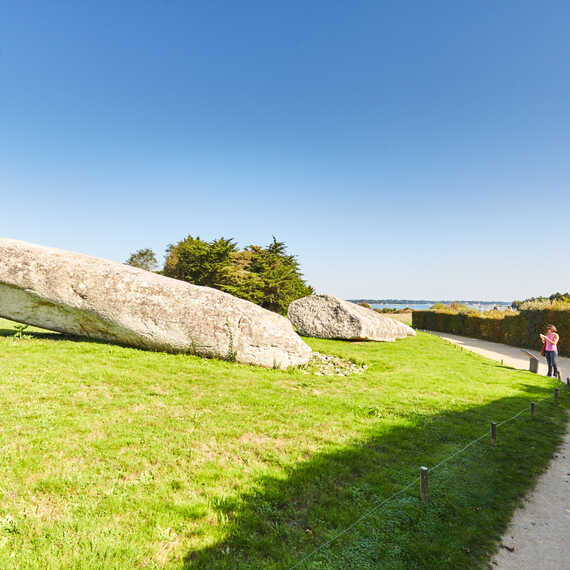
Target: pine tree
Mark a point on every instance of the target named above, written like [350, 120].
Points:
[268, 276]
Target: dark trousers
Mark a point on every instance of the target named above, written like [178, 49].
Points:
[551, 361]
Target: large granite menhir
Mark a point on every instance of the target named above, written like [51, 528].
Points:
[81, 295]
[325, 316]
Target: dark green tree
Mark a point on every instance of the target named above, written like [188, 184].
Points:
[268, 276]
[199, 262]
[143, 259]
[280, 274]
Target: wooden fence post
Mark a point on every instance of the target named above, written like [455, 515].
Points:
[424, 484]
[556, 394]
[493, 433]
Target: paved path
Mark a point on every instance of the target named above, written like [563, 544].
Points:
[538, 536]
[539, 533]
[510, 355]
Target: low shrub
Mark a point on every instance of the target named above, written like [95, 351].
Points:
[535, 305]
[517, 329]
[453, 308]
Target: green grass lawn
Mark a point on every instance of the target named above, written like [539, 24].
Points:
[113, 457]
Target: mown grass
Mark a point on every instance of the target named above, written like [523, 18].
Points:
[117, 458]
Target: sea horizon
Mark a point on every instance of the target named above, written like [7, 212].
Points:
[422, 305]
[397, 301]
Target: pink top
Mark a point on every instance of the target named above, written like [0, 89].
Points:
[549, 344]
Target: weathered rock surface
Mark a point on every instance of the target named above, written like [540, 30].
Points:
[81, 295]
[325, 316]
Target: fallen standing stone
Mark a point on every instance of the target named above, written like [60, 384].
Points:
[80, 295]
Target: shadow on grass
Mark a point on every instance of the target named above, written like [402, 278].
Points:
[7, 332]
[472, 496]
[47, 335]
[57, 336]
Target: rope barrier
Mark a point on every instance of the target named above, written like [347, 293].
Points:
[355, 523]
[413, 482]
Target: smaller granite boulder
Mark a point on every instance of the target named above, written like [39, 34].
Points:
[325, 316]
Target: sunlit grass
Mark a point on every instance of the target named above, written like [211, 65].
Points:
[119, 458]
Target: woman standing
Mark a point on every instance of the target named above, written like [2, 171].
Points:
[550, 341]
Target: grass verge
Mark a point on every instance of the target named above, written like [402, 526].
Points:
[119, 458]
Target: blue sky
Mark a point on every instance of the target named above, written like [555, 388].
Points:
[401, 149]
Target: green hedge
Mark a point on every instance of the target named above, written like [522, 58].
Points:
[517, 330]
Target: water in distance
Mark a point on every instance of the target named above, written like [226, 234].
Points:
[414, 306]
[485, 306]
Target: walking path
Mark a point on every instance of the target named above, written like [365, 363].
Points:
[538, 536]
[510, 355]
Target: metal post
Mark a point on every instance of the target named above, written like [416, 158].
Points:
[533, 365]
[532, 404]
[424, 484]
[493, 433]
[556, 394]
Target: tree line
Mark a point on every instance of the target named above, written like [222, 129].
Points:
[266, 275]
[557, 299]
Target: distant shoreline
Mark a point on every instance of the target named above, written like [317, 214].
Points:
[424, 302]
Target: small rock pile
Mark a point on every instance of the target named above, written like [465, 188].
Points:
[328, 365]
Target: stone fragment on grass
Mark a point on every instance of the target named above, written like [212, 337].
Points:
[328, 365]
[325, 316]
[80, 295]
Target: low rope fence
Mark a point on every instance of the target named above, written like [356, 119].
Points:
[425, 471]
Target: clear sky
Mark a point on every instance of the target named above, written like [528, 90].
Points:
[401, 149]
